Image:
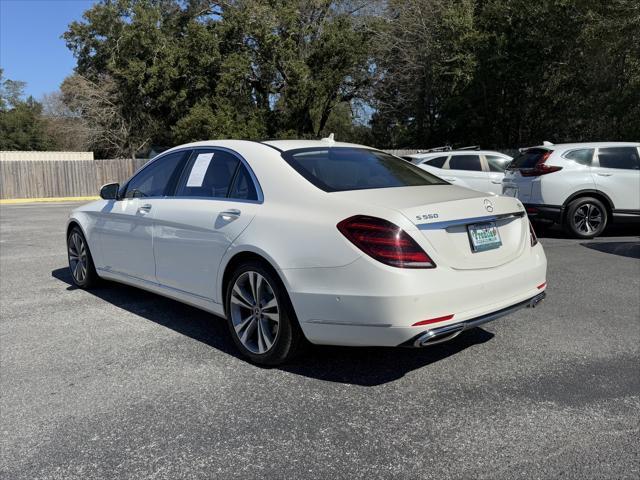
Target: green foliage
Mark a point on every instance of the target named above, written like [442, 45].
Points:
[222, 121]
[21, 125]
[500, 73]
[511, 73]
[424, 60]
[11, 92]
[191, 70]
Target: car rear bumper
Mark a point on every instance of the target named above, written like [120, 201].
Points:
[549, 213]
[365, 304]
[438, 335]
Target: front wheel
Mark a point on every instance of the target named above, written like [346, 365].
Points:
[83, 272]
[586, 217]
[260, 316]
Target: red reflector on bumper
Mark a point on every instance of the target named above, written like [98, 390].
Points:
[541, 286]
[432, 320]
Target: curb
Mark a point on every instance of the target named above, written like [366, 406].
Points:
[13, 201]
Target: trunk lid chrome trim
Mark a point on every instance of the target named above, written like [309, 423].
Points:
[467, 221]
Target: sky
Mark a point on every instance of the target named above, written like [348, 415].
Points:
[31, 49]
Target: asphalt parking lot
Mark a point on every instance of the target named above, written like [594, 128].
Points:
[120, 383]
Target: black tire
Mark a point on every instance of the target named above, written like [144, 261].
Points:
[80, 261]
[288, 339]
[586, 217]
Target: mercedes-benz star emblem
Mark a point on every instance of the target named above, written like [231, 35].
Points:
[488, 206]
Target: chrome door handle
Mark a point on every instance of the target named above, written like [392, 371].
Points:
[144, 209]
[449, 179]
[230, 214]
[497, 182]
[604, 174]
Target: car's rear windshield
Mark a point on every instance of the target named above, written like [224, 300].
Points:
[527, 159]
[337, 169]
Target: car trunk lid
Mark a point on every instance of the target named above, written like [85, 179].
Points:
[442, 214]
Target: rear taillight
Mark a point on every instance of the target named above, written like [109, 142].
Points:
[532, 235]
[541, 168]
[385, 242]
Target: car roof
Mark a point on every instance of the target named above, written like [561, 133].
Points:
[567, 146]
[280, 145]
[455, 152]
[285, 145]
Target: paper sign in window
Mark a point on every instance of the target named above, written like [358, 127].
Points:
[199, 169]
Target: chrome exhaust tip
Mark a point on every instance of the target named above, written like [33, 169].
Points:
[438, 335]
[537, 299]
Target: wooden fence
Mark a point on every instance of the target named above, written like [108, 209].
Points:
[62, 178]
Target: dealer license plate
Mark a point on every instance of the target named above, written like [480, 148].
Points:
[484, 236]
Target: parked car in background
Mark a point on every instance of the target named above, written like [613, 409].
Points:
[582, 186]
[481, 170]
[332, 242]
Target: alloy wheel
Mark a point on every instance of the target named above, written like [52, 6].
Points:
[78, 261]
[255, 312]
[587, 218]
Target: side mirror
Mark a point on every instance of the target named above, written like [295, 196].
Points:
[109, 191]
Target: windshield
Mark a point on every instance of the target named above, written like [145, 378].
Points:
[337, 169]
[528, 159]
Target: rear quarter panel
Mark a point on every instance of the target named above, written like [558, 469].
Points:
[554, 188]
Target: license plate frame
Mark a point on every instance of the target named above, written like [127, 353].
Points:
[479, 244]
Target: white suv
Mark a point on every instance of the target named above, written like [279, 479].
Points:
[480, 170]
[582, 186]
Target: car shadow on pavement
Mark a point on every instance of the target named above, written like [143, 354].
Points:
[371, 366]
[623, 249]
[364, 366]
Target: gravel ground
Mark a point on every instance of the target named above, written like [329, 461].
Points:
[120, 383]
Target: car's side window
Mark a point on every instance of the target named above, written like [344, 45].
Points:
[465, 162]
[582, 156]
[437, 162]
[153, 180]
[497, 164]
[243, 187]
[208, 174]
[625, 158]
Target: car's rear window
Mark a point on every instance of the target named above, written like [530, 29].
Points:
[527, 159]
[337, 169]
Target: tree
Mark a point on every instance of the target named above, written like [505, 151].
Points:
[105, 121]
[424, 59]
[303, 58]
[157, 59]
[507, 73]
[21, 127]
[500, 73]
[69, 130]
[187, 70]
[605, 103]
[11, 92]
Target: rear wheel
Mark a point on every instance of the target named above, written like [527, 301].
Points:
[260, 316]
[586, 217]
[83, 272]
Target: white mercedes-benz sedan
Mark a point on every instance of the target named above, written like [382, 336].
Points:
[330, 242]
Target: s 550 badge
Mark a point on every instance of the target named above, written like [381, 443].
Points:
[426, 216]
